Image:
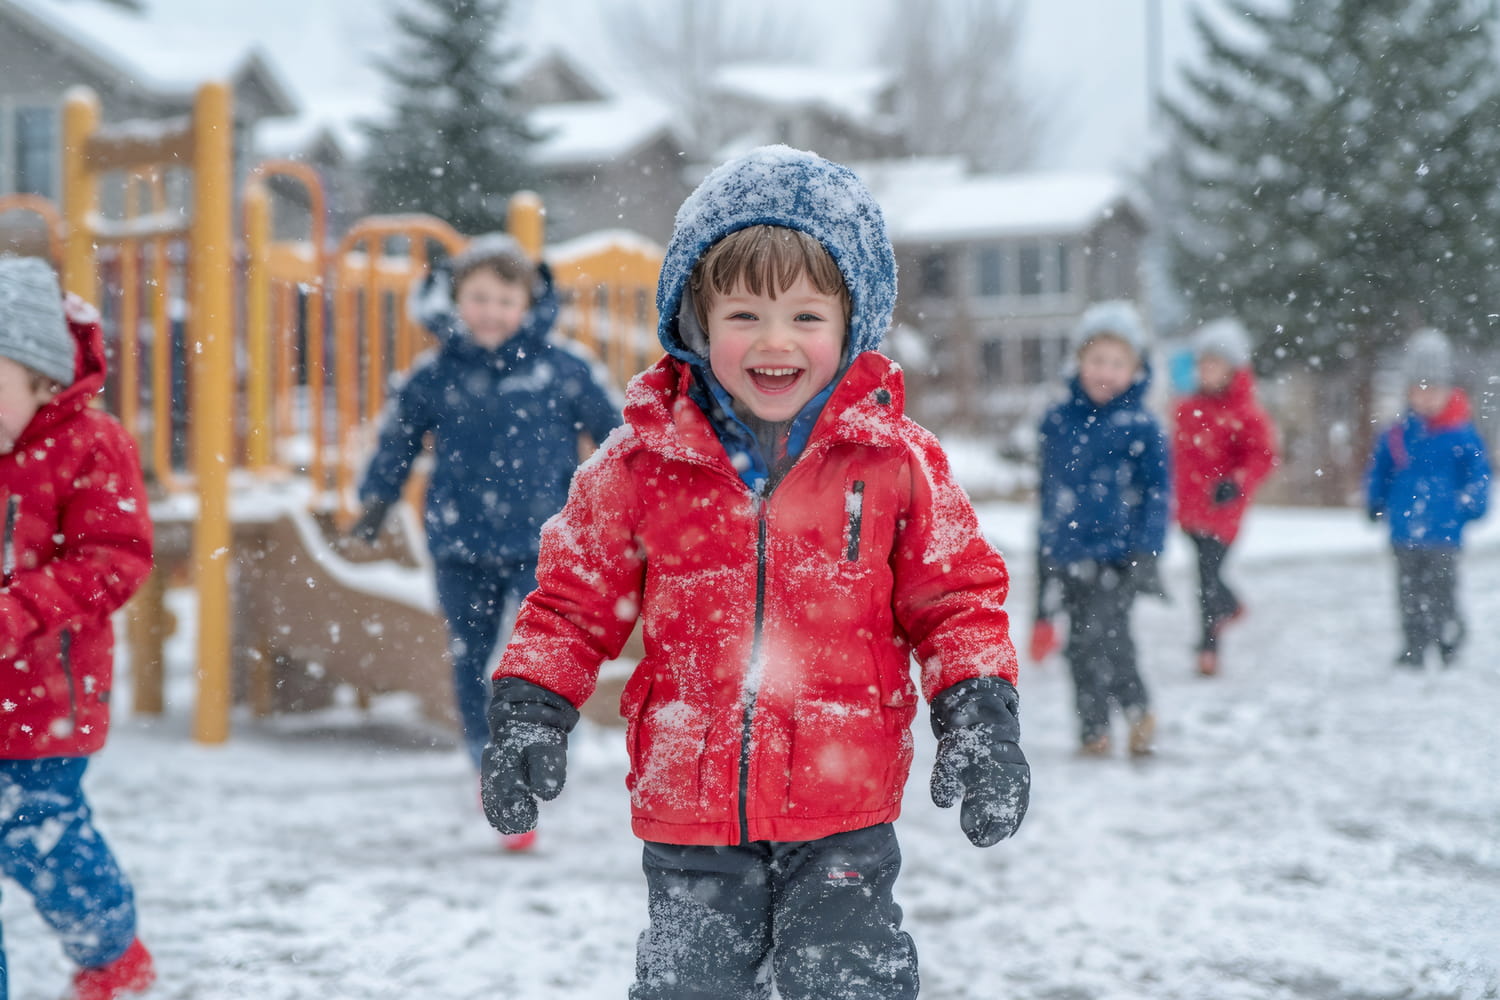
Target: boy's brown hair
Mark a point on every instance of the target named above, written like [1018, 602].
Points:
[766, 260]
[505, 265]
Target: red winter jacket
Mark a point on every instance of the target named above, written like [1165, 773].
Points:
[77, 543]
[775, 699]
[1220, 437]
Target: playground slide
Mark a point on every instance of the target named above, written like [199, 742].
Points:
[313, 614]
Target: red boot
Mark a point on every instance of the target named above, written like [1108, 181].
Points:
[129, 975]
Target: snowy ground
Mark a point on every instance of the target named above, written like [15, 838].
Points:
[1316, 825]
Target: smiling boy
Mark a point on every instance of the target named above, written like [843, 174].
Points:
[790, 540]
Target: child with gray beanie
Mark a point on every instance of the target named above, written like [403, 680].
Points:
[76, 545]
[1223, 448]
[1429, 476]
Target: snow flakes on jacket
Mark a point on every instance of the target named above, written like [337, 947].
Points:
[1104, 487]
[775, 698]
[1429, 478]
[505, 425]
[77, 544]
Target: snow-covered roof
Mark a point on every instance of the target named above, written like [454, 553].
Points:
[589, 132]
[934, 201]
[853, 94]
[171, 47]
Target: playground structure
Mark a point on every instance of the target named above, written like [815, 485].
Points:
[251, 370]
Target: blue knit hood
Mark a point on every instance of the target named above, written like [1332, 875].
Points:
[781, 186]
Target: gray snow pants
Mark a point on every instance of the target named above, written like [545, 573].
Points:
[815, 916]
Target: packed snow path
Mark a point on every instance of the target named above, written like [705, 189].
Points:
[1316, 825]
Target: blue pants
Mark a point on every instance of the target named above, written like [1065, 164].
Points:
[479, 601]
[49, 846]
[815, 916]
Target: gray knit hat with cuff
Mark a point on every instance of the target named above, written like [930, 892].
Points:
[33, 330]
[1116, 318]
[1225, 339]
[1428, 359]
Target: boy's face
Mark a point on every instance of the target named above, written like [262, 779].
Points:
[775, 354]
[1427, 400]
[1106, 367]
[491, 307]
[1214, 374]
[19, 401]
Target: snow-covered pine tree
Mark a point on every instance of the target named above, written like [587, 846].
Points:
[1332, 175]
[456, 143]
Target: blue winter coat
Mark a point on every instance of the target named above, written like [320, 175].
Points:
[505, 426]
[1428, 478]
[1104, 479]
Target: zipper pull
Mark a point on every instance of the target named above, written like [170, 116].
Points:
[8, 558]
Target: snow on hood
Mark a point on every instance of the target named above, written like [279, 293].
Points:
[781, 186]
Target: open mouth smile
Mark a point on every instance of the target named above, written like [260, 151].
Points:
[774, 379]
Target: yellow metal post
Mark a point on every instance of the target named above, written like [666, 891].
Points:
[80, 119]
[526, 219]
[258, 322]
[212, 326]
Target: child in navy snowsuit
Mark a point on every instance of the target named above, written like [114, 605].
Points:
[1428, 477]
[1104, 502]
[506, 407]
[76, 545]
[790, 540]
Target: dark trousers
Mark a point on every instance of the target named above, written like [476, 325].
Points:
[1216, 601]
[1427, 591]
[1101, 653]
[49, 847]
[479, 601]
[816, 917]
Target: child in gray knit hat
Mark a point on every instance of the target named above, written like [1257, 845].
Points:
[1428, 477]
[75, 543]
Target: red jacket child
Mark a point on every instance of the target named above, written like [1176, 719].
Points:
[77, 543]
[771, 630]
[1220, 438]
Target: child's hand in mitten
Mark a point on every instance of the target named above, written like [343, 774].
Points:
[527, 756]
[1044, 640]
[979, 761]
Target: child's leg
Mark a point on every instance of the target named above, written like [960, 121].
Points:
[1442, 586]
[473, 600]
[53, 852]
[1216, 601]
[837, 929]
[1412, 599]
[710, 931]
[1091, 617]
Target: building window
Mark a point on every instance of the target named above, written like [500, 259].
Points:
[934, 271]
[992, 360]
[1034, 368]
[1031, 279]
[990, 262]
[1064, 269]
[36, 149]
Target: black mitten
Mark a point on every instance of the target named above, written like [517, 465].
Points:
[979, 759]
[527, 756]
[1226, 490]
[367, 528]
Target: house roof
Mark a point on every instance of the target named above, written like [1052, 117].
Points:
[851, 94]
[166, 52]
[934, 201]
[585, 133]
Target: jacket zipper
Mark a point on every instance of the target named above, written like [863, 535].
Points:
[756, 670]
[8, 552]
[856, 505]
[65, 655]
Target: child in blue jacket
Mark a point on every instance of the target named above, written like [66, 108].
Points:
[1429, 477]
[506, 407]
[1104, 503]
